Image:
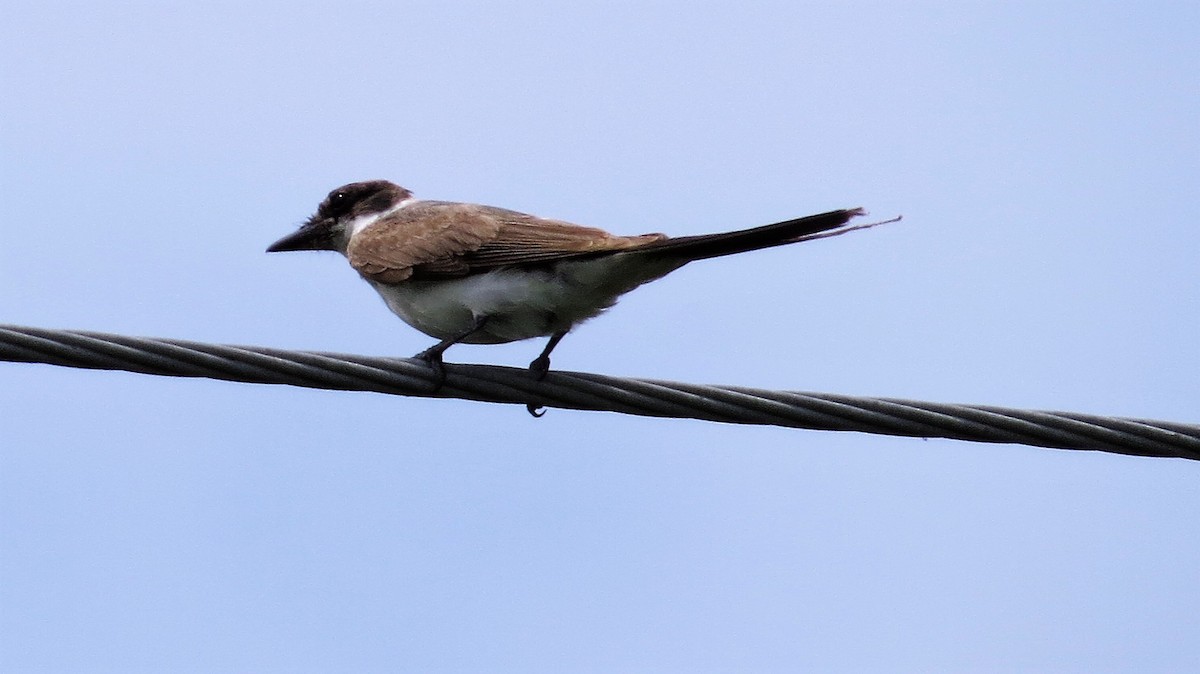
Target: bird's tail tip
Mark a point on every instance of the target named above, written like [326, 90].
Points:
[853, 213]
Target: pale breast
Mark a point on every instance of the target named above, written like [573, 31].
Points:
[519, 303]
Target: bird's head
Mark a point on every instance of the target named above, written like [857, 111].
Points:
[346, 210]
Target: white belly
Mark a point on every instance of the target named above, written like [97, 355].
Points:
[518, 303]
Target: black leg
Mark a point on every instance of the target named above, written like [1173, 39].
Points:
[433, 355]
[541, 365]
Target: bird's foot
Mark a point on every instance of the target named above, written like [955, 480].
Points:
[433, 356]
[539, 367]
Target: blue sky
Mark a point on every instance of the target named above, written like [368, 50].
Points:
[1045, 158]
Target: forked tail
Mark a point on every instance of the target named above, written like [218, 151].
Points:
[807, 228]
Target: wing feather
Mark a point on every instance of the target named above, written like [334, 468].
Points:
[432, 239]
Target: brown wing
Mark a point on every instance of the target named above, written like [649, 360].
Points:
[435, 239]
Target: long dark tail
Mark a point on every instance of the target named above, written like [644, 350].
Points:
[807, 228]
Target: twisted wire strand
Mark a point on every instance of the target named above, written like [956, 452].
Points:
[583, 391]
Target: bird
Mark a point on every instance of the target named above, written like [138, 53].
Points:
[475, 274]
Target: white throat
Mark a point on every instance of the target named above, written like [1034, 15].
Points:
[362, 222]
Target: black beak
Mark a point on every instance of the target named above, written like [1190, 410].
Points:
[314, 235]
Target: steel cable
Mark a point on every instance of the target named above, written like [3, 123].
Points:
[583, 391]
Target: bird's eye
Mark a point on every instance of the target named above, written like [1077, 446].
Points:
[337, 204]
